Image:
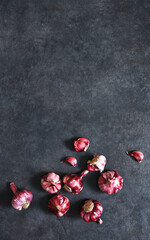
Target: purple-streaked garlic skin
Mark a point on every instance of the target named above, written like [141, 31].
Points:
[136, 155]
[51, 182]
[81, 144]
[71, 160]
[21, 199]
[97, 163]
[73, 182]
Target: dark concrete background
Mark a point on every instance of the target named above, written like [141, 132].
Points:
[71, 69]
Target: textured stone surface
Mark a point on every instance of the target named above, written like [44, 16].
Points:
[71, 69]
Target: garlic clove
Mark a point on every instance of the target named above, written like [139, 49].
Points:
[71, 160]
[136, 155]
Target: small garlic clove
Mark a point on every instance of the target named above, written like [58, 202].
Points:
[136, 155]
[71, 160]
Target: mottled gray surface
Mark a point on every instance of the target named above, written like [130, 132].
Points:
[71, 69]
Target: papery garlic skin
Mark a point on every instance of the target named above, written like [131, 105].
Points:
[91, 211]
[21, 199]
[97, 163]
[110, 182]
[81, 144]
[51, 182]
[137, 155]
[73, 182]
[59, 205]
[71, 160]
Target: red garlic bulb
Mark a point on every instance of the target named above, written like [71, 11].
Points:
[21, 199]
[97, 163]
[91, 211]
[58, 205]
[110, 182]
[137, 155]
[73, 182]
[71, 160]
[81, 144]
[51, 182]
